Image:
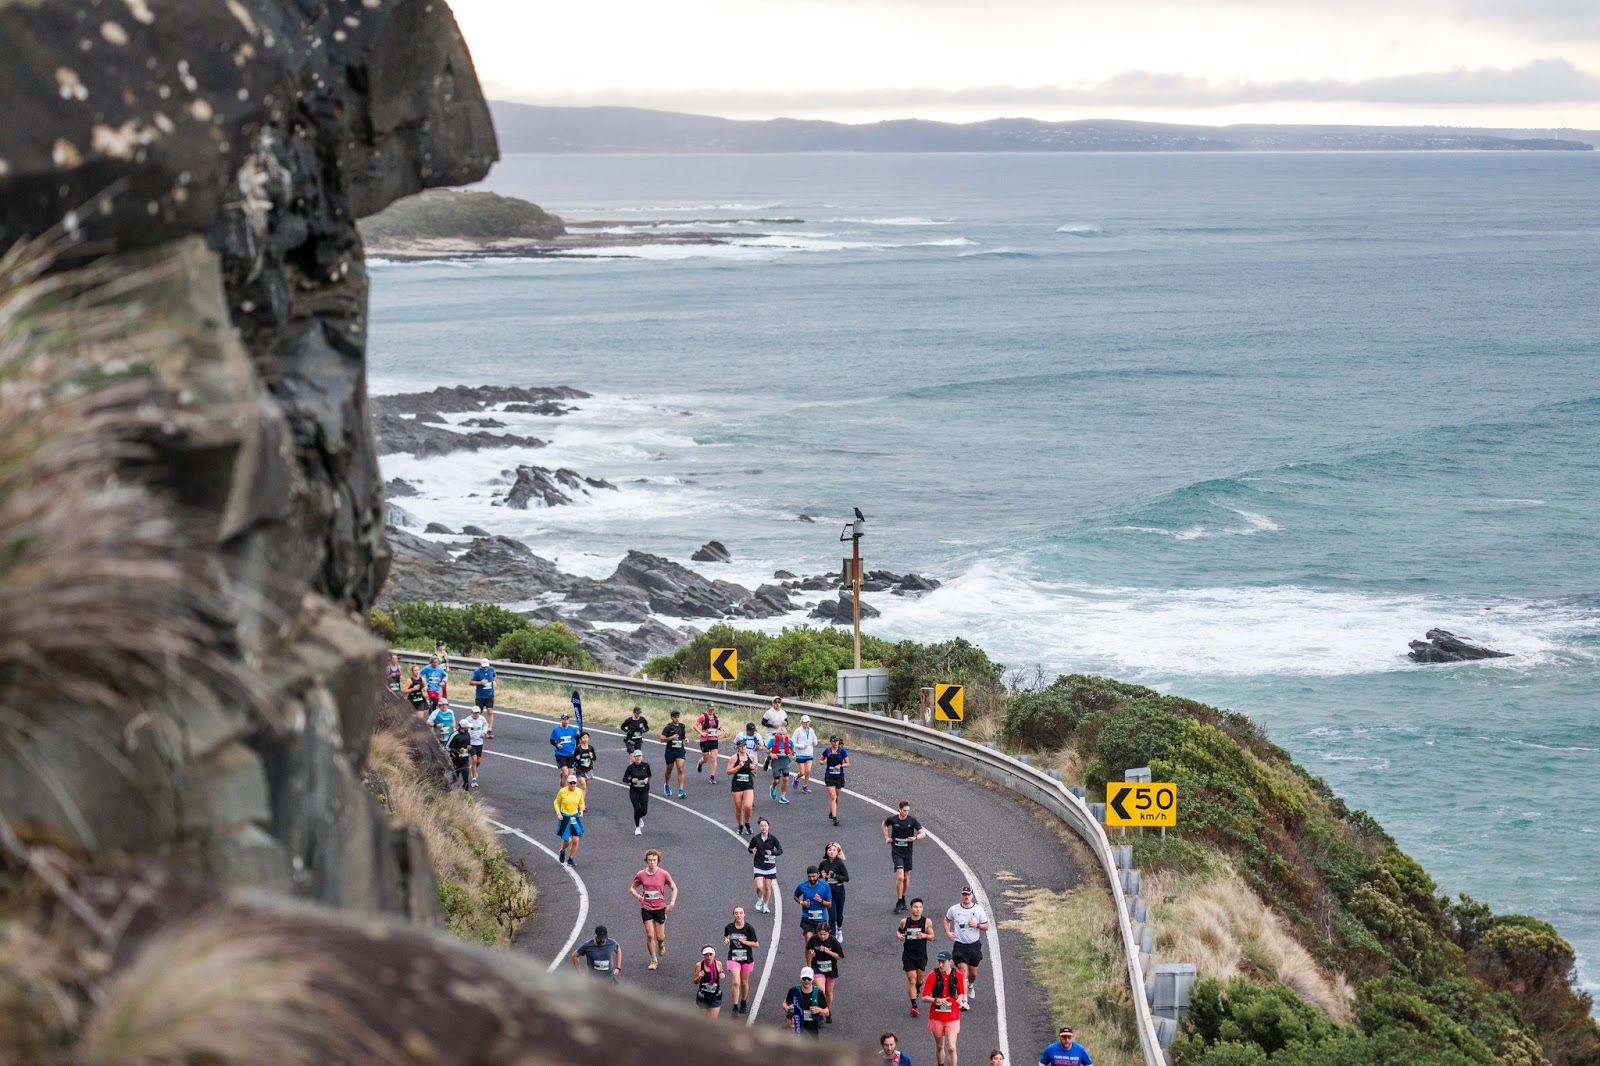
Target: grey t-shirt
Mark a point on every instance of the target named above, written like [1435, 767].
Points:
[600, 957]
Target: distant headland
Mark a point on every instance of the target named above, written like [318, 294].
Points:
[536, 129]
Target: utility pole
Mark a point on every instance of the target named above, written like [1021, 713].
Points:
[854, 532]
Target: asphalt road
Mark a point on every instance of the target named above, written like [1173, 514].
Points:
[977, 835]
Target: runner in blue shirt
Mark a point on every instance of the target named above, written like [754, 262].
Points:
[483, 692]
[816, 901]
[564, 738]
[434, 678]
[443, 720]
[1065, 1051]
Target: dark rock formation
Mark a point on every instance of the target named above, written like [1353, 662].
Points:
[625, 652]
[547, 407]
[1443, 646]
[399, 517]
[475, 531]
[396, 488]
[464, 399]
[805, 518]
[712, 552]
[842, 612]
[400, 434]
[439, 527]
[673, 589]
[540, 487]
[491, 570]
[479, 423]
[783, 575]
[430, 417]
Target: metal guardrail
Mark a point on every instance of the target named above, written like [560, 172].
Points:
[917, 739]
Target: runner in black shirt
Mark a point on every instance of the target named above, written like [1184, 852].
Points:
[764, 852]
[915, 932]
[823, 954]
[740, 936]
[806, 1005]
[675, 737]
[900, 832]
[583, 760]
[461, 754]
[742, 784]
[601, 956]
[709, 977]
[634, 727]
[835, 761]
[636, 775]
[834, 872]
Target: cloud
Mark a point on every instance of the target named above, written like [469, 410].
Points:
[1544, 81]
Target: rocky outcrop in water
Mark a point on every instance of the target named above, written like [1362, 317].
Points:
[403, 434]
[464, 399]
[842, 611]
[538, 487]
[711, 551]
[1443, 646]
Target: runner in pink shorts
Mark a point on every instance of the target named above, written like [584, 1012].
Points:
[742, 943]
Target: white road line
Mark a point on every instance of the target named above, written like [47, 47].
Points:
[583, 895]
[992, 936]
[777, 921]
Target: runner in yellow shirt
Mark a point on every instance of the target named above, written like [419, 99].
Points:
[570, 805]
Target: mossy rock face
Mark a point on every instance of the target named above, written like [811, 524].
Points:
[478, 215]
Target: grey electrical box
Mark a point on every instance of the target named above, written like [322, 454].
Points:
[863, 686]
[1169, 989]
[1138, 774]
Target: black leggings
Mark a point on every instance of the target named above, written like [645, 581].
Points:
[640, 798]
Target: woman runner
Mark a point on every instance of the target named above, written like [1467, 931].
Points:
[708, 977]
[837, 876]
[823, 955]
[416, 692]
[395, 674]
[742, 783]
[583, 761]
[742, 942]
[764, 852]
[835, 761]
[570, 804]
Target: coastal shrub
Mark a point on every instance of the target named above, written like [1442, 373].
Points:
[548, 645]
[486, 623]
[914, 666]
[1137, 734]
[422, 622]
[804, 662]
[446, 213]
[1048, 718]
[382, 626]
[691, 664]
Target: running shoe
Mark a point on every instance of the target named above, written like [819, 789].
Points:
[680, 793]
[806, 789]
[489, 735]
[783, 799]
[773, 792]
[713, 779]
[666, 790]
[638, 830]
[914, 1012]
[572, 863]
[653, 965]
[700, 769]
[965, 1005]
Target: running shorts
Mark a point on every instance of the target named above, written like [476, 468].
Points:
[919, 963]
[674, 755]
[940, 1030]
[477, 749]
[567, 762]
[780, 766]
[902, 858]
[736, 787]
[769, 873]
[708, 1001]
[580, 771]
[485, 702]
[833, 780]
[971, 954]
[648, 915]
[745, 968]
[709, 745]
[570, 826]
[804, 758]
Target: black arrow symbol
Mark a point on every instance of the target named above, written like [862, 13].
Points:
[719, 665]
[1116, 803]
[946, 700]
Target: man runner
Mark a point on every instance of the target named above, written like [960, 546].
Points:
[434, 679]
[943, 992]
[775, 716]
[478, 728]
[570, 803]
[564, 739]
[779, 750]
[1065, 1051]
[601, 956]
[708, 728]
[965, 924]
[764, 852]
[900, 832]
[751, 741]
[742, 941]
[651, 887]
[915, 933]
[636, 775]
[483, 692]
[806, 1005]
[675, 737]
[804, 740]
[815, 898]
[634, 727]
[889, 1045]
[835, 761]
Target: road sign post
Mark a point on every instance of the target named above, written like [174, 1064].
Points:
[1141, 803]
[724, 665]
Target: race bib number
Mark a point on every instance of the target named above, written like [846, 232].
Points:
[602, 964]
[651, 894]
[816, 914]
[824, 965]
[741, 954]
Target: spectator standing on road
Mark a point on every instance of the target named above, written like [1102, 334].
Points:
[477, 728]
[764, 852]
[483, 692]
[583, 760]
[708, 980]
[708, 727]
[824, 954]
[742, 941]
[901, 831]
[434, 679]
[601, 956]
[636, 775]
[657, 894]
[564, 739]
[443, 720]
[570, 803]
[742, 786]
[634, 727]
[460, 748]
[915, 933]
[779, 751]
[1065, 1051]
[837, 875]
[804, 740]
[806, 1006]
[675, 737]
[943, 992]
[889, 1045]
[835, 761]
[815, 899]
[965, 924]
[775, 716]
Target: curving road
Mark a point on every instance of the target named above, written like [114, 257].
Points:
[977, 836]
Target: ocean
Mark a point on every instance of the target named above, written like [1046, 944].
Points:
[1233, 426]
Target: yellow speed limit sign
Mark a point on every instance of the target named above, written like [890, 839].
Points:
[1142, 803]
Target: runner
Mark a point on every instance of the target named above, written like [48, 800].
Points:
[636, 775]
[570, 804]
[779, 750]
[765, 849]
[634, 727]
[483, 692]
[889, 1044]
[742, 941]
[774, 716]
[396, 673]
[478, 726]
[675, 738]
[708, 980]
[815, 899]
[1065, 1051]
[742, 784]
[583, 761]
[823, 955]
[564, 739]
[965, 924]
[417, 692]
[805, 753]
[943, 992]
[806, 1006]
[708, 728]
[751, 741]
[601, 956]
[997, 1058]
[460, 748]
[900, 832]
[438, 650]
[915, 932]
[835, 761]
[650, 887]
[443, 720]
[837, 876]
[434, 679]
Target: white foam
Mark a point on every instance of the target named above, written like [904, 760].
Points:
[1081, 229]
[1254, 523]
[897, 220]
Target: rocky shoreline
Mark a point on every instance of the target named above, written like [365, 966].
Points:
[583, 236]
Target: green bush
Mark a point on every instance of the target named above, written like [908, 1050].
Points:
[1137, 734]
[382, 626]
[550, 645]
[1048, 718]
[805, 662]
[691, 664]
[913, 667]
[486, 623]
[426, 621]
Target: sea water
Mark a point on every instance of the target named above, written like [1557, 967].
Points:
[1233, 426]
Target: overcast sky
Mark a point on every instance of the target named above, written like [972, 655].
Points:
[1456, 62]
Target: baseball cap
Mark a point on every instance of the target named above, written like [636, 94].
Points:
[1065, 1030]
[835, 737]
[750, 727]
[944, 956]
[805, 718]
[708, 950]
[600, 930]
[966, 890]
[565, 715]
[483, 662]
[675, 714]
[807, 973]
[812, 870]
